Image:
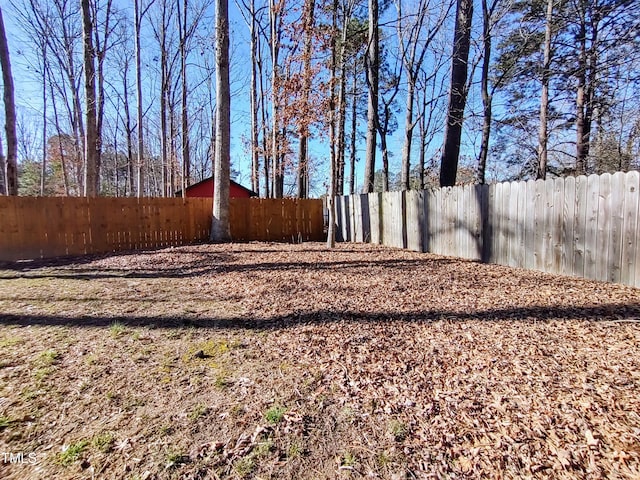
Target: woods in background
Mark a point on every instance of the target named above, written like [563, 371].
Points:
[410, 92]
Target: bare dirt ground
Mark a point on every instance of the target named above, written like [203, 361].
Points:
[293, 361]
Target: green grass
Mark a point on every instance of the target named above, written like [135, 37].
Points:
[9, 342]
[5, 421]
[175, 458]
[199, 411]
[221, 382]
[103, 442]
[294, 450]
[244, 466]
[399, 430]
[42, 373]
[116, 329]
[72, 453]
[275, 414]
[348, 459]
[263, 448]
[48, 357]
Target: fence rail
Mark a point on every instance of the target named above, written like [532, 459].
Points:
[44, 227]
[581, 226]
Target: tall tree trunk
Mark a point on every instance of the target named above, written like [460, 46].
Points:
[544, 97]
[220, 229]
[129, 130]
[354, 131]
[263, 111]
[303, 157]
[186, 156]
[99, 55]
[408, 133]
[140, 163]
[385, 163]
[487, 99]
[373, 59]
[92, 170]
[165, 165]
[342, 112]
[56, 120]
[43, 170]
[255, 159]
[275, 104]
[587, 68]
[457, 93]
[11, 162]
[421, 155]
[331, 194]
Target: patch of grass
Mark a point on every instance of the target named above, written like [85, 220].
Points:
[399, 430]
[294, 450]
[199, 411]
[71, 453]
[48, 357]
[29, 394]
[275, 414]
[166, 430]
[5, 421]
[10, 342]
[244, 466]
[42, 373]
[263, 448]
[384, 459]
[103, 442]
[348, 459]
[175, 458]
[114, 397]
[237, 410]
[116, 329]
[222, 382]
[91, 359]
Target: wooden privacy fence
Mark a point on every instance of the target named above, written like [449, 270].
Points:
[581, 226]
[44, 227]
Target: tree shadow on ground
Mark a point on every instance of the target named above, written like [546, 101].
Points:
[626, 312]
[212, 264]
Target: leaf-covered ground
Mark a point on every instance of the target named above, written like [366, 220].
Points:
[294, 361]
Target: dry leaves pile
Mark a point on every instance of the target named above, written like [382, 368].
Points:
[294, 361]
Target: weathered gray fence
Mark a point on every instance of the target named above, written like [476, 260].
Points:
[582, 226]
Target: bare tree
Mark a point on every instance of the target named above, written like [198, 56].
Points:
[139, 13]
[250, 15]
[92, 169]
[11, 162]
[220, 231]
[303, 157]
[457, 93]
[331, 194]
[544, 95]
[372, 60]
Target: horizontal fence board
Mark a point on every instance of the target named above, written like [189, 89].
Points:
[582, 226]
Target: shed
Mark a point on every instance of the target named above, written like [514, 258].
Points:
[204, 189]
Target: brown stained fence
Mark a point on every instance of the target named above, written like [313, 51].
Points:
[276, 220]
[37, 227]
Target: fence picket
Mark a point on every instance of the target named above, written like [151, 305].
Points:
[629, 252]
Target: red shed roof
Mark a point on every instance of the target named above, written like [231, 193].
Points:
[235, 189]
